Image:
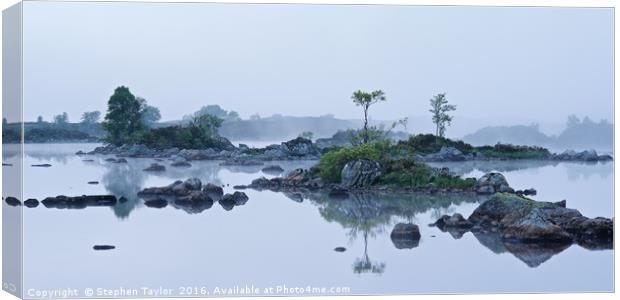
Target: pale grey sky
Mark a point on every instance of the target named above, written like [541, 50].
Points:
[513, 65]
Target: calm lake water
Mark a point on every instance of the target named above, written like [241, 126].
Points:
[275, 240]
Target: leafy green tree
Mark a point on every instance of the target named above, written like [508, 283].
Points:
[365, 100]
[123, 121]
[62, 118]
[440, 109]
[91, 117]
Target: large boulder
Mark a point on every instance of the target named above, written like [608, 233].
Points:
[360, 173]
[405, 236]
[300, 147]
[446, 153]
[534, 227]
[524, 220]
[492, 183]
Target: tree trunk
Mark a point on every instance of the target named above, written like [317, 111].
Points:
[365, 125]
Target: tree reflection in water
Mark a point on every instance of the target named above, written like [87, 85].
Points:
[370, 214]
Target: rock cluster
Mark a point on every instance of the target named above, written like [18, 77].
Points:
[296, 149]
[448, 153]
[191, 195]
[519, 219]
[587, 155]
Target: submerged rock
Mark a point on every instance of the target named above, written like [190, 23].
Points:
[360, 173]
[42, 165]
[180, 161]
[93, 182]
[242, 162]
[340, 249]
[405, 236]
[273, 169]
[155, 167]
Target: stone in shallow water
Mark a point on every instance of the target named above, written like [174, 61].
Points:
[31, 203]
[12, 201]
[405, 236]
[273, 169]
[93, 182]
[155, 167]
[103, 247]
[42, 165]
[340, 249]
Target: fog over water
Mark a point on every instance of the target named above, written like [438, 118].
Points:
[500, 66]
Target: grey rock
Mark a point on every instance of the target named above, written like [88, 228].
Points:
[360, 173]
[491, 183]
[405, 236]
[31, 203]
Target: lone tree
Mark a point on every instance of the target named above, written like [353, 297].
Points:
[91, 117]
[365, 100]
[440, 109]
[124, 117]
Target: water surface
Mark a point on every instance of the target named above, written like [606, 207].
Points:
[276, 239]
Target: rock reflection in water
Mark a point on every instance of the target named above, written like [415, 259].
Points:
[370, 214]
[532, 254]
[574, 170]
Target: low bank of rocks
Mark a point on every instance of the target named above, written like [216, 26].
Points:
[519, 219]
[360, 177]
[447, 153]
[296, 149]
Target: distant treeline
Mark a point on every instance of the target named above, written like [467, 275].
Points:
[44, 132]
[578, 134]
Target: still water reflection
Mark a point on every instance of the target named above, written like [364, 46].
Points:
[279, 238]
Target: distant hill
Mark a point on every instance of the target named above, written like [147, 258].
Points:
[518, 135]
[578, 134]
